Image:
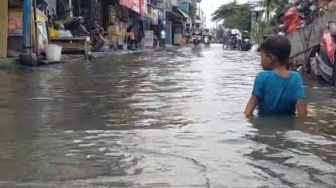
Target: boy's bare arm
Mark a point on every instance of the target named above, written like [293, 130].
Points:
[251, 105]
[301, 108]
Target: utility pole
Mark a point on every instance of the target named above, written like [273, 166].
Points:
[26, 20]
[164, 24]
[70, 6]
[164, 14]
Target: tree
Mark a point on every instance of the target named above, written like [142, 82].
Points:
[273, 5]
[235, 15]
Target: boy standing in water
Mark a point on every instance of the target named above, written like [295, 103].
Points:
[276, 90]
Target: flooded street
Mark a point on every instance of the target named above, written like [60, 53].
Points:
[158, 120]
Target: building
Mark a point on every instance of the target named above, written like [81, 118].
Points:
[114, 15]
[200, 15]
[177, 20]
[203, 19]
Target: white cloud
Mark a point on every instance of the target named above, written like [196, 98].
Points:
[209, 6]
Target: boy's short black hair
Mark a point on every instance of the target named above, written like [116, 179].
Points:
[277, 45]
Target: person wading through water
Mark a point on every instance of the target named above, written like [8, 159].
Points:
[138, 32]
[163, 38]
[226, 37]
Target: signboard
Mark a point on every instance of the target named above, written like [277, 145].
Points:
[149, 39]
[15, 27]
[15, 23]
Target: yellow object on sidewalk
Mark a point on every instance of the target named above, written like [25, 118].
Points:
[52, 33]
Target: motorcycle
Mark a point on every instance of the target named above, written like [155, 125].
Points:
[246, 44]
[206, 40]
[189, 38]
[74, 24]
[197, 38]
[308, 12]
[233, 43]
[322, 61]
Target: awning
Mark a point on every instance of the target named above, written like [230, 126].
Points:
[131, 4]
[173, 16]
[181, 12]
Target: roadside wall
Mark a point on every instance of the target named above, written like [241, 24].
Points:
[309, 36]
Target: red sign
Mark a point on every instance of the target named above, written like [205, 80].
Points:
[131, 4]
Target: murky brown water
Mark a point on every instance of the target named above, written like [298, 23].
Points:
[160, 120]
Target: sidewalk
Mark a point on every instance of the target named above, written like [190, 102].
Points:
[8, 63]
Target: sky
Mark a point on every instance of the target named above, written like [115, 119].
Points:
[209, 6]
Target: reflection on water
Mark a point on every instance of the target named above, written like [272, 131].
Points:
[157, 119]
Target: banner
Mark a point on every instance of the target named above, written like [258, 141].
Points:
[149, 39]
[154, 15]
[143, 8]
[125, 3]
[131, 4]
[136, 5]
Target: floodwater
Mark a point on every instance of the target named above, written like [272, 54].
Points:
[158, 120]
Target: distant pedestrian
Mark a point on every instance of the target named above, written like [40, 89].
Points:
[226, 36]
[130, 38]
[138, 32]
[276, 90]
[163, 38]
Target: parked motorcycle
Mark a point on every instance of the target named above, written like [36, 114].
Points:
[307, 11]
[322, 58]
[74, 24]
[96, 36]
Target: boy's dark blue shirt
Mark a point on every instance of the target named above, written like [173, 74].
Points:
[277, 95]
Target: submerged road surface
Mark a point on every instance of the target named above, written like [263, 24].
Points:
[157, 120]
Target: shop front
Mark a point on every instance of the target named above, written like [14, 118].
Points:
[181, 26]
[173, 21]
[11, 36]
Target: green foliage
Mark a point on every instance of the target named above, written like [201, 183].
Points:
[235, 15]
[273, 5]
[264, 29]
